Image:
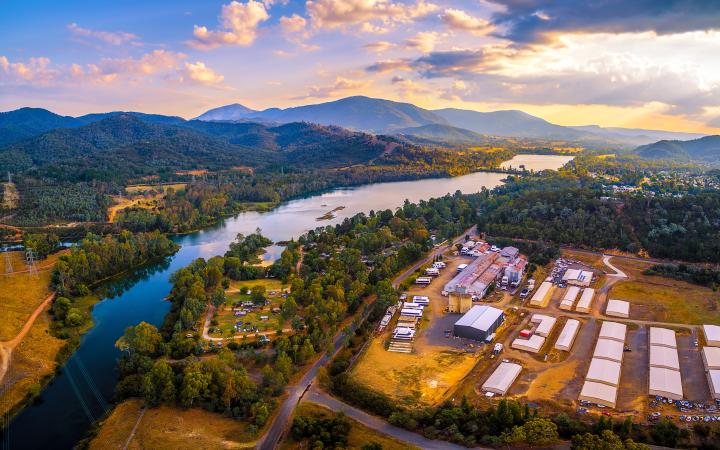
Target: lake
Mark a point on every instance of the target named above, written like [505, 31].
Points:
[82, 392]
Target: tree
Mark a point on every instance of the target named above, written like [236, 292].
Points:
[142, 339]
[306, 352]
[74, 318]
[194, 384]
[159, 384]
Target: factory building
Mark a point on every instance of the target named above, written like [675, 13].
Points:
[479, 322]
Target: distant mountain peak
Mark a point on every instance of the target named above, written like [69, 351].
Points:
[234, 111]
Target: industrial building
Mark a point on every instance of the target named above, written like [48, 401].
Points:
[502, 378]
[713, 377]
[664, 357]
[532, 344]
[475, 279]
[479, 322]
[613, 331]
[542, 295]
[545, 324]
[665, 383]
[604, 371]
[585, 302]
[459, 303]
[609, 349]
[662, 337]
[712, 335]
[711, 358]
[578, 277]
[568, 300]
[618, 308]
[600, 393]
[567, 335]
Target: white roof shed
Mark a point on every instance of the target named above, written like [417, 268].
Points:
[712, 335]
[663, 336]
[585, 301]
[608, 349]
[502, 378]
[711, 358]
[713, 377]
[618, 308]
[613, 330]
[545, 324]
[664, 357]
[568, 300]
[666, 383]
[567, 335]
[604, 371]
[532, 345]
[599, 393]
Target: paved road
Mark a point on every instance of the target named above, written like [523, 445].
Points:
[318, 396]
[281, 421]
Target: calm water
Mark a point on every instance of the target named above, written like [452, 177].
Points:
[82, 392]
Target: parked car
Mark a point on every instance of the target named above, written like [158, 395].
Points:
[524, 293]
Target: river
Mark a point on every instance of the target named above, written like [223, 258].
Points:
[82, 392]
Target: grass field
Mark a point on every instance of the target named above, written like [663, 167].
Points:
[590, 259]
[167, 428]
[139, 188]
[359, 434]
[21, 293]
[419, 378]
[32, 361]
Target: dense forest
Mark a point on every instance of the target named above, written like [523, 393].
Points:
[342, 267]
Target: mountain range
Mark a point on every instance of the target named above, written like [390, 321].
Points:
[705, 149]
[389, 117]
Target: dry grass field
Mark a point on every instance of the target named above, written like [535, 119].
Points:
[21, 293]
[140, 188]
[419, 378]
[32, 360]
[359, 434]
[167, 428]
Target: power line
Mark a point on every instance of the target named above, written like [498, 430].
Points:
[30, 257]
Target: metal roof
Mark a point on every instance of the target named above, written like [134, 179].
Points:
[711, 357]
[502, 378]
[604, 371]
[664, 357]
[533, 344]
[609, 349]
[567, 335]
[618, 307]
[663, 336]
[481, 317]
[665, 382]
[613, 330]
[712, 334]
[586, 298]
[599, 392]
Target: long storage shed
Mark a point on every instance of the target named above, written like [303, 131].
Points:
[664, 357]
[604, 371]
[602, 394]
[585, 302]
[502, 378]
[663, 337]
[665, 383]
[613, 331]
[532, 345]
[568, 300]
[542, 295]
[567, 335]
[609, 349]
[711, 358]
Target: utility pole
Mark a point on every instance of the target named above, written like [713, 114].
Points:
[8, 262]
[30, 258]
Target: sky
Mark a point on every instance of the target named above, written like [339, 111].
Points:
[640, 63]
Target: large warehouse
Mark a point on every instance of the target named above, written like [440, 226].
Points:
[618, 308]
[502, 378]
[663, 337]
[609, 349]
[711, 358]
[567, 335]
[568, 300]
[604, 371]
[712, 335]
[664, 357]
[665, 383]
[542, 295]
[613, 331]
[585, 301]
[602, 394]
[479, 323]
[578, 277]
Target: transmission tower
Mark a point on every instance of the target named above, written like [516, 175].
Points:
[30, 258]
[8, 262]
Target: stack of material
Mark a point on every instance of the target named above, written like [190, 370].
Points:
[542, 295]
[585, 301]
[665, 379]
[502, 378]
[567, 335]
[568, 300]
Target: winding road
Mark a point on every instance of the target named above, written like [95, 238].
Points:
[281, 421]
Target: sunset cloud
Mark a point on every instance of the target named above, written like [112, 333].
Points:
[198, 72]
[239, 23]
[370, 16]
[341, 86]
[457, 19]
[423, 41]
[109, 37]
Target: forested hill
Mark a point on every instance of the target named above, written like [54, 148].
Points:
[706, 149]
[24, 123]
[125, 146]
